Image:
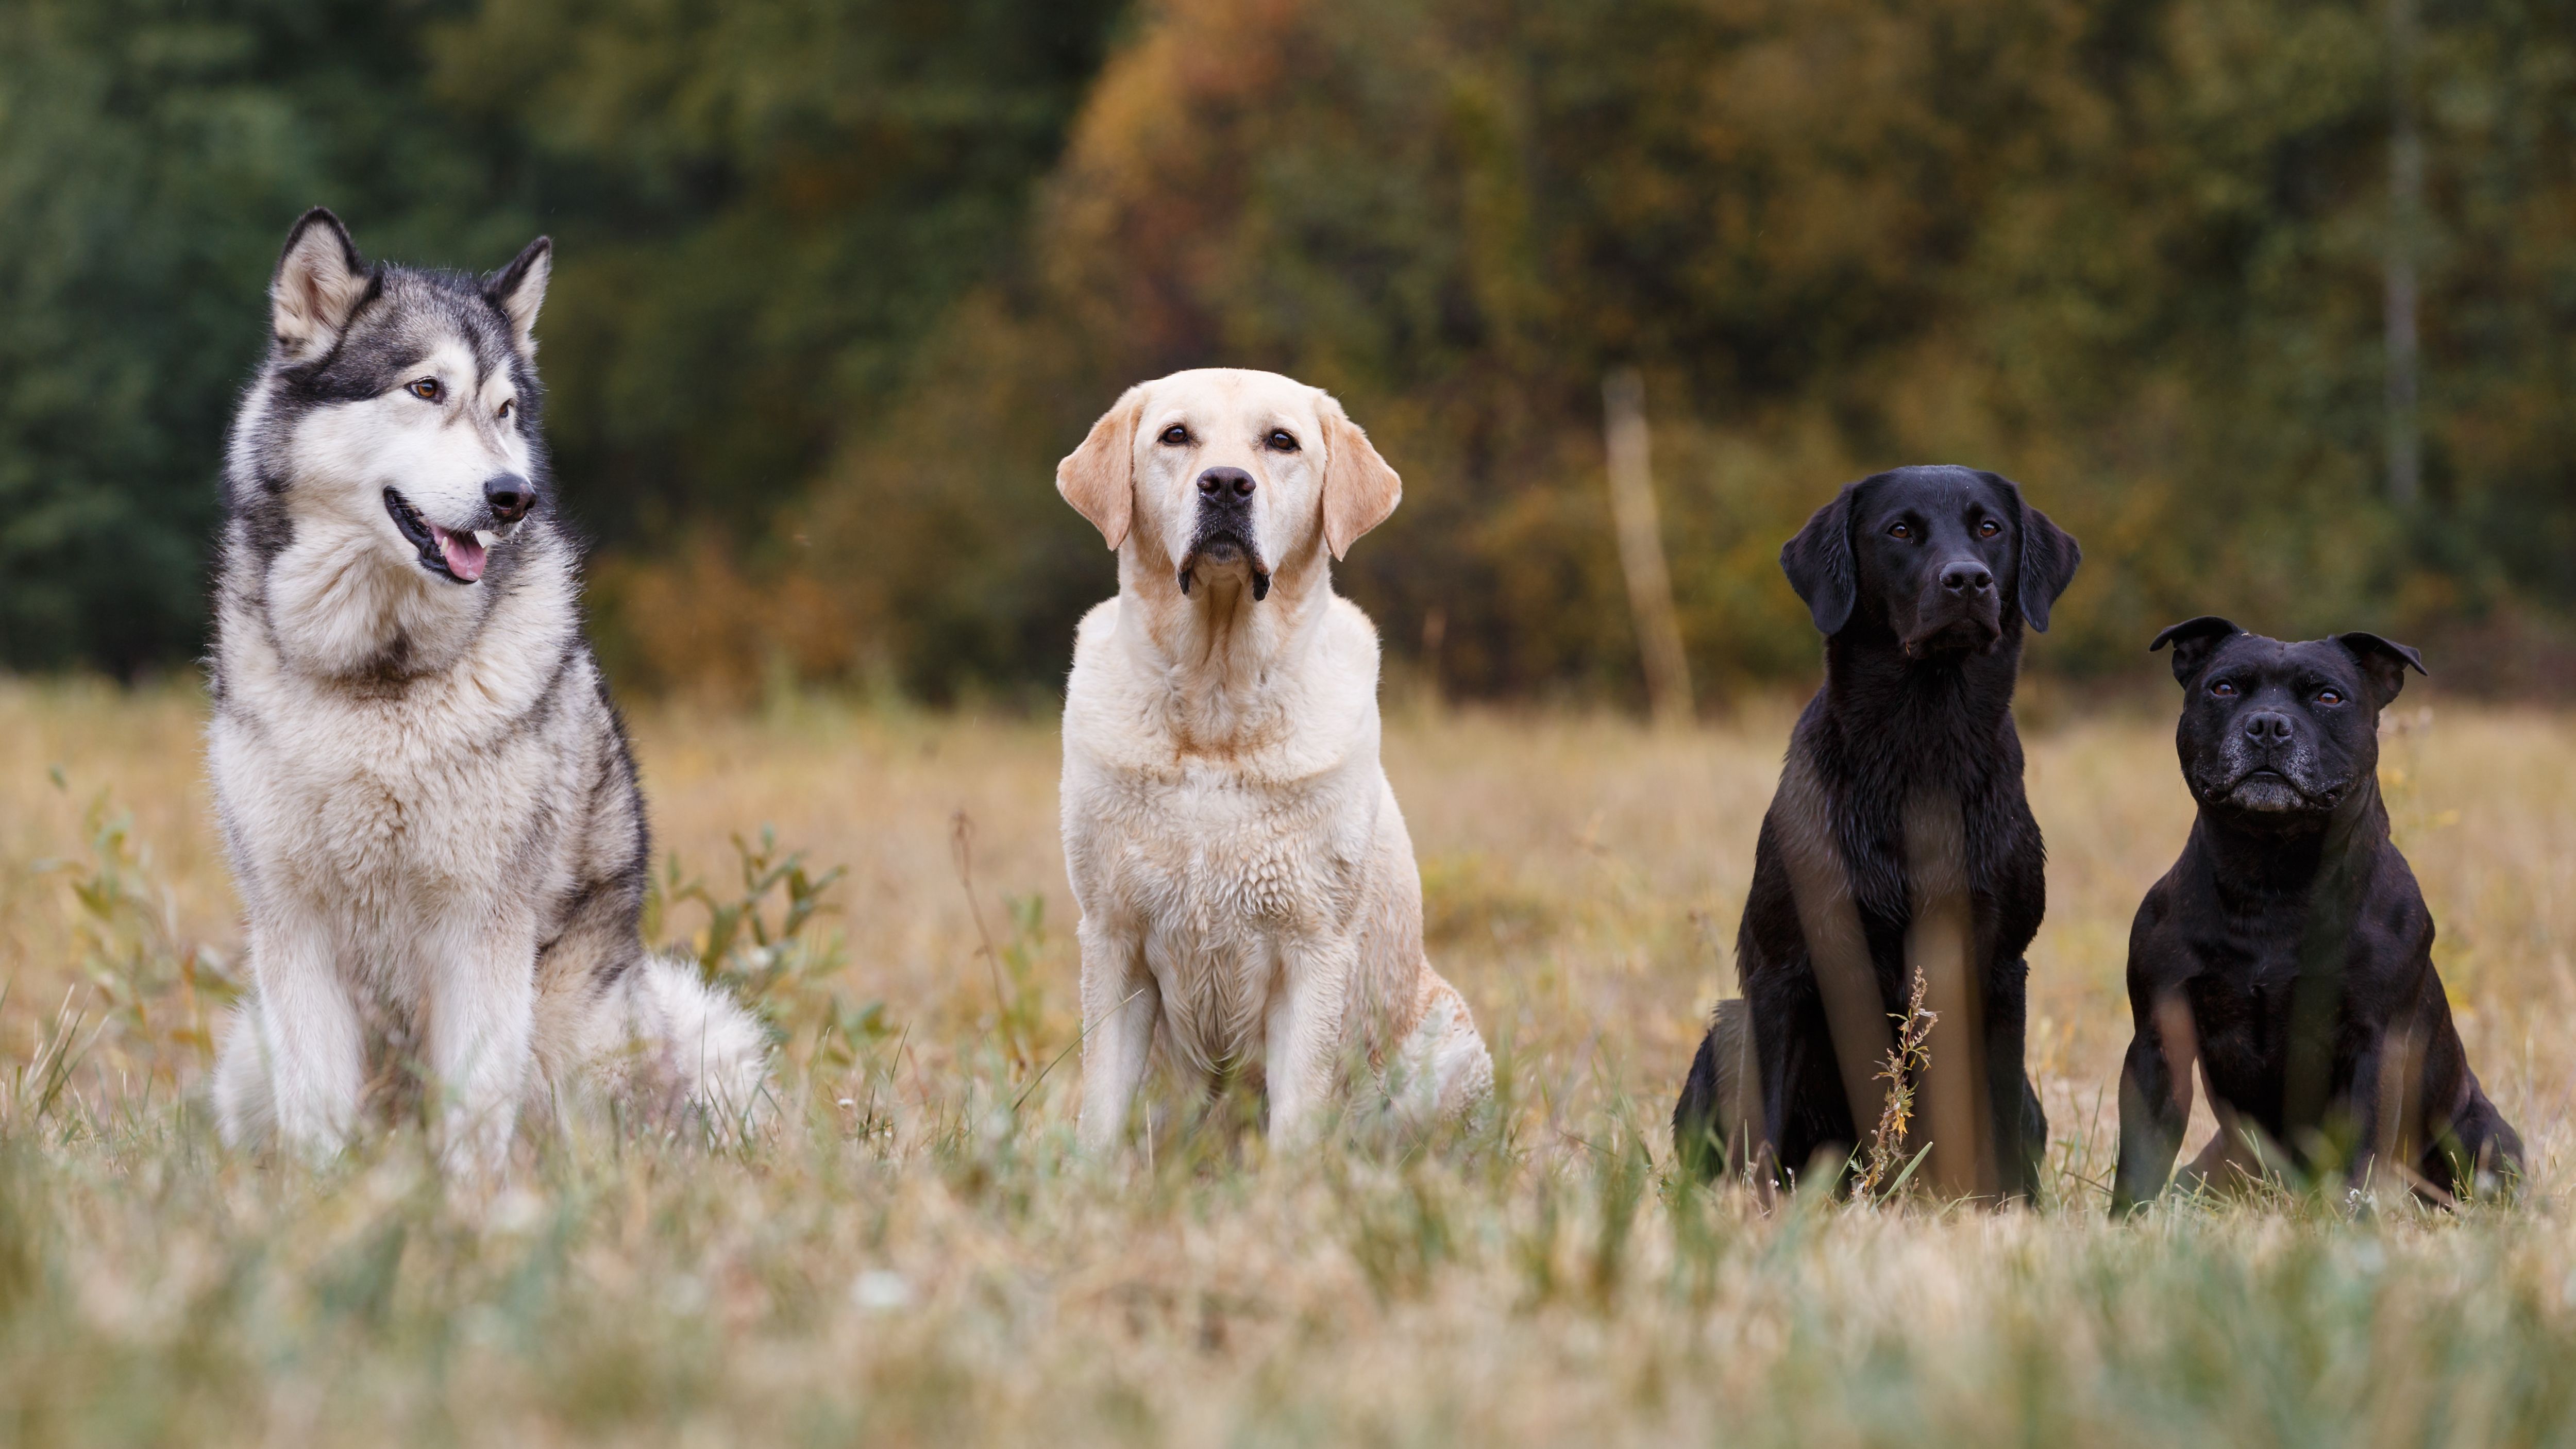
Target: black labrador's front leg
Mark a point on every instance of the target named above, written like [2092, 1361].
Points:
[1804, 1110]
[2020, 1125]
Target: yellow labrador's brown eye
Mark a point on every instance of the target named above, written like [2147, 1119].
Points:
[1176, 435]
[426, 389]
[1989, 529]
[2330, 696]
[1280, 441]
[1900, 530]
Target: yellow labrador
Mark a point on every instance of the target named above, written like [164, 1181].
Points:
[1245, 879]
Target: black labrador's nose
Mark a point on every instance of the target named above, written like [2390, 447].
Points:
[511, 496]
[1967, 578]
[1222, 483]
[2267, 727]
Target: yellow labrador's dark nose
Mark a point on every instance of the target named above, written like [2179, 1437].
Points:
[1225, 482]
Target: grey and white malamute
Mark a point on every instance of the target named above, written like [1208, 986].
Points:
[428, 798]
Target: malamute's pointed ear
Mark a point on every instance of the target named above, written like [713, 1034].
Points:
[1360, 489]
[519, 289]
[1099, 478]
[321, 282]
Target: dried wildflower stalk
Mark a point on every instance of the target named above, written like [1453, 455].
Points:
[1905, 1063]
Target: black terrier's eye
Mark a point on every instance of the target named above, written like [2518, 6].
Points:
[2329, 696]
[1280, 442]
[1176, 435]
[1900, 530]
[426, 389]
[1989, 529]
[2223, 689]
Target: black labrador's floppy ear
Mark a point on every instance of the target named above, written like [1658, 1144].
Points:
[2384, 663]
[2049, 555]
[1819, 563]
[2193, 641]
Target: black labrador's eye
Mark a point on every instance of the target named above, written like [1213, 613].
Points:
[1989, 529]
[1175, 435]
[2329, 696]
[426, 389]
[1900, 530]
[2223, 689]
[1280, 441]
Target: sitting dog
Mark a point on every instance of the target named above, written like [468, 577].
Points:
[427, 797]
[2288, 952]
[1247, 889]
[1899, 841]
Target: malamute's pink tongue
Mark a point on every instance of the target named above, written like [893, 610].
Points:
[464, 555]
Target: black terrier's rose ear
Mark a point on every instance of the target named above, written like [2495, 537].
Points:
[2384, 663]
[2049, 555]
[2193, 641]
[1819, 563]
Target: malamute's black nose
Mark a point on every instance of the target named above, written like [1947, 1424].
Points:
[1220, 483]
[511, 496]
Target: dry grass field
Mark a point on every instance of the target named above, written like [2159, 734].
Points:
[914, 1253]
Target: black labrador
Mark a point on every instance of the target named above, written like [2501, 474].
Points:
[1900, 817]
[2288, 952]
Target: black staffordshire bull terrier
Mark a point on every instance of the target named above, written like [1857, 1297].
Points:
[2288, 951]
[1899, 831]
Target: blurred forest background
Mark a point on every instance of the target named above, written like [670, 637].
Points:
[839, 280]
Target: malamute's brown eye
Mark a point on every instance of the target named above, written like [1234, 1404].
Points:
[1280, 441]
[508, 406]
[426, 389]
[1176, 435]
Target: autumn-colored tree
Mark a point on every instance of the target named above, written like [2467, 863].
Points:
[841, 279]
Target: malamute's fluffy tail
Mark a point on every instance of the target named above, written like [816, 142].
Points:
[670, 1052]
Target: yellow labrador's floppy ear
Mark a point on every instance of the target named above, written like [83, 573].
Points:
[321, 282]
[1099, 478]
[1360, 490]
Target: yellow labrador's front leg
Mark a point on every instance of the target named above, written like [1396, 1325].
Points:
[1119, 1006]
[1302, 1037]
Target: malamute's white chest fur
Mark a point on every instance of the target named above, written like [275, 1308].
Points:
[405, 804]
